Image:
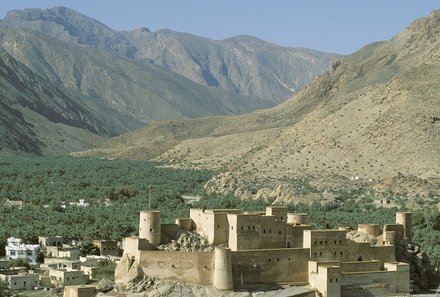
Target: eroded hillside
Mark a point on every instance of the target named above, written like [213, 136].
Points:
[374, 116]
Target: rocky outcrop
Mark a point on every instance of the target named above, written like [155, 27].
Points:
[360, 237]
[187, 242]
[278, 194]
[104, 285]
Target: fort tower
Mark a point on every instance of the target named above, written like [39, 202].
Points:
[150, 227]
[222, 269]
[404, 218]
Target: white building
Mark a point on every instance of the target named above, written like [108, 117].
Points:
[16, 250]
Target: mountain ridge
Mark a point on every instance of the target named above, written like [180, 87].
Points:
[200, 59]
[373, 116]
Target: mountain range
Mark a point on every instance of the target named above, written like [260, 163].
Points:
[130, 79]
[244, 65]
[375, 118]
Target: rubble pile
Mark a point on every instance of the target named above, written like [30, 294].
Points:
[359, 237]
[187, 242]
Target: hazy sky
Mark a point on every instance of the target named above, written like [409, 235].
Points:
[340, 26]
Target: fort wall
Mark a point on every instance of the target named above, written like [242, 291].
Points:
[398, 230]
[294, 235]
[326, 245]
[326, 279]
[192, 267]
[279, 212]
[360, 266]
[270, 266]
[366, 252]
[251, 231]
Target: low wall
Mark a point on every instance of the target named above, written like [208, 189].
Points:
[194, 267]
[360, 266]
[270, 266]
[363, 278]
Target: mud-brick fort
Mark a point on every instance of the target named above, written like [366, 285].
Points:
[272, 247]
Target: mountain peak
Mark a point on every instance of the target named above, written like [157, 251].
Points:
[427, 28]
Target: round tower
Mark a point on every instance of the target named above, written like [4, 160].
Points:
[404, 218]
[372, 229]
[149, 226]
[222, 269]
[297, 218]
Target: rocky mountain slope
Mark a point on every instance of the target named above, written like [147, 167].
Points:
[140, 90]
[374, 115]
[241, 65]
[38, 117]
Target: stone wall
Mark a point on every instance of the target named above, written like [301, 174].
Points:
[270, 266]
[192, 267]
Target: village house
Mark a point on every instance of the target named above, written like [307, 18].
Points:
[273, 247]
[107, 247]
[17, 250]
[20, 280]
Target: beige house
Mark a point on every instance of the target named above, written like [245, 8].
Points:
[66, 277]
[274, 247]
[19, 280]
[107, 247]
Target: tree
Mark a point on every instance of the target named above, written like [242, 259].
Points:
[4, 290]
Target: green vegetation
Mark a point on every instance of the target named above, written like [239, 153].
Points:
[104, 269]
[116, 191]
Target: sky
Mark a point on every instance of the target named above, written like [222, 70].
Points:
[339, 26]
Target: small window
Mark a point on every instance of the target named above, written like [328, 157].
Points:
[336, 242]
[334, 253]
[340, 241]
[278, 259]
[241, 227]
[316, 242]
[282, 218]
[253, 227]
[320, 242]
[269, 260]
[232, 227]
[316, 254]
[264, 231]
[320, 253]
[336, 280]
[331, 280]
[270, 230]
[151, 230]
[249, 227]
[326, 242]
[279, 232]
[342, 253]
[218, 226]
[289, 258]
